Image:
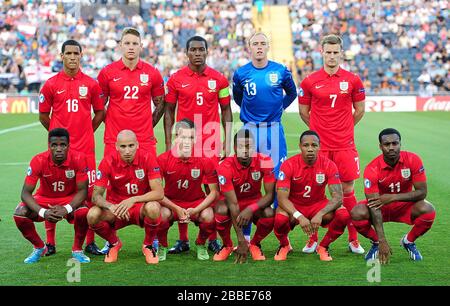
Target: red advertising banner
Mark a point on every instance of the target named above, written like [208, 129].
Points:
[438, 103]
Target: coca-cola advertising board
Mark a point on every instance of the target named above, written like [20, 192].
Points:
[438, 103]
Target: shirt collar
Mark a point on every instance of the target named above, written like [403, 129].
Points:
[325, 74]
[66, 77]
[303, 165]
[66, 163]
[122, 66]
[205, 72]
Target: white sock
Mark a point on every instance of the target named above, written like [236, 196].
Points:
[247, 237]
[405, 240]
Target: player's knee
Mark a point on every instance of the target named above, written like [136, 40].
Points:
[268, 212]
[221, 208]
[207, 215]
[22, 211]
[152, 209]
[93, 215]
[423, 207]
[360, 212]
[166, 214]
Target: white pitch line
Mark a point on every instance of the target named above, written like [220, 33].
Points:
[14, 164]
[18, 128]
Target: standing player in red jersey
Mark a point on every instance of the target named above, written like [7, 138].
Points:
[198, 91]
[395, 185]
[302, 200]
[184, 198]
[130, 84]
[327, 98]
[61, 173]
[66, 100]
[134, 187]
[240, 178]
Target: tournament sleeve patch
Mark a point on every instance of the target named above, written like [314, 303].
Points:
[281, 176]
[222, 180]
[224, 92]
[367, 183]
[301, 93]
[29, 171]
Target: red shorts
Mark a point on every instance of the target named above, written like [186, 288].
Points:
[243, 204]
[311, 210]
[69, 217]
[396, 212]
[110, 148]
[347, 162]
[135, 217]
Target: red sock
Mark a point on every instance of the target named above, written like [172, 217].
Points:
[163, 228]
[223, 226]
[205, 230]
[183, 231]
[349, 201]
[263, 228]
[336, 227]
[104, 230]
[281, 228]
[50, 228]
[81, 227]
[421, 225]
[151, 229]
[26, 226]
[315, 236]
[365, 228]
[213, 236]
[90, 237]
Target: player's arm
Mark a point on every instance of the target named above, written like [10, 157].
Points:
[334, 203]
[169, 119]
[288, 206]
[247, 214]
[290, 89]
[44, 118]
[181, 212]
[210, 198]
[99, 116]
[158, 112]
[419, 193]
[238, 90]
[98, 198]
[359, 111]
[227, 119]
[28, 199]
[233, 206]
[304, 111]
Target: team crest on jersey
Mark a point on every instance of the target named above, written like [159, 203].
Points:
[82, 90]
[320, 178]
[273, 77]
[343, 86]
[212, 85]
[195, 173]
[70, 174]
[140, 174]
[256, 175]
[406, 173]
[144, 78]
[29, 171]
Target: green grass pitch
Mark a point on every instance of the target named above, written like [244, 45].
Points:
[427, 134]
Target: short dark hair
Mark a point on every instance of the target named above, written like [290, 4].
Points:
[70, 42]
[132, 31]
[196, 38]
[59, 132]
[308, 133]
[389, 131]
[184, 123]
[243, 133]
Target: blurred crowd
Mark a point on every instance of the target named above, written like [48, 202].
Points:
[395, 46]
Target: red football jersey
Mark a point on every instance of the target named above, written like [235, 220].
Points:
[130, 94]
[200, 95]
[381, 178]
[307, 183]
[331, 100]
[57, 181]
[184, 178]
[70, 101]
[127, 180]
[245, 181]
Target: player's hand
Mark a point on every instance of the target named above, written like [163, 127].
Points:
[183, 215]
[384, 251]
[52, 216]
[241, 252]
[58, 210]
[244, 217]
[122, 209]
[375, 203]
[191, 212]
[305, 224]
[316, 221]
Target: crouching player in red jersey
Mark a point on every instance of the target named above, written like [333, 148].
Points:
[240, 178]
[134, 189]
[301, 197]
[184, 199]
[388, 184]
[62, 193]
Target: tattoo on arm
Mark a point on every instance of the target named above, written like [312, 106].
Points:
[159, 109]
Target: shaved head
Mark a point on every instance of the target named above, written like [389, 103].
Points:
[127, 145]
[126, 135]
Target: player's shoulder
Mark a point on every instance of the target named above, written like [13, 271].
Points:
[276, 65]
[146, 66]
[325, 162]
[375, 163]
[40, 157]
[215, 73]
[164, 156]
[226, 163]
[348, 74]
[410, 156]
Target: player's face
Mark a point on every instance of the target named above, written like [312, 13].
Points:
[245, 149]
[309, 146]
[127, 147]
[71, 57]
[197, 53]
[58, 147]
[185, 141]
[390, 146]
[332, 55]
[130, 46]
[259, 46]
